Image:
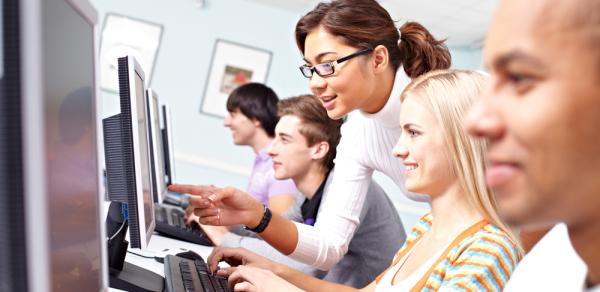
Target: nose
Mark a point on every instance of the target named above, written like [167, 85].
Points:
[317, 83]
[273, 147]
[400, 150]
[483, 121]
[227, 121]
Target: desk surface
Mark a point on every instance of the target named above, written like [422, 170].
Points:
[161, 246]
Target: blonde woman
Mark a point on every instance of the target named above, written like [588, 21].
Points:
[461, 244]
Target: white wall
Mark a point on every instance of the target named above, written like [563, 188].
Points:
[204, 151]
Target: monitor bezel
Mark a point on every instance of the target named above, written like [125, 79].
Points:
[155, 131]
[133, 67]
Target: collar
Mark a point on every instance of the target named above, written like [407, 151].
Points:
[263, 154]
[310, 208]
[388, 116]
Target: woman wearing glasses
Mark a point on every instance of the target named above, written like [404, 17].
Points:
[356, 59]
[461, 245]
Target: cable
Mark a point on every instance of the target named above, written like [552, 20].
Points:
[139, 255]
[118, 231]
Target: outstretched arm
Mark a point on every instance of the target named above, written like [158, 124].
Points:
[229, 206]
[322, 245]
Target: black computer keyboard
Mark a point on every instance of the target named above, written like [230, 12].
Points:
[183, 274]
[170, 221]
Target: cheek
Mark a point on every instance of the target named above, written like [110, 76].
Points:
[350, 91]
[556, 135]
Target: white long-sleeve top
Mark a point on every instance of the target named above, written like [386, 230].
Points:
[366, 145]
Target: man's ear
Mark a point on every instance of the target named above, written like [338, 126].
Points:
[256, 123]
[319, 150]
[380, 59]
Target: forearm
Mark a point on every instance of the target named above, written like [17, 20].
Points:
[282, 234]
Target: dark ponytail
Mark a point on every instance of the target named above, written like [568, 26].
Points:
[366, 24]
[420, 52]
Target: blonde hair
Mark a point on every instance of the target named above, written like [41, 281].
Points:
[449, 94]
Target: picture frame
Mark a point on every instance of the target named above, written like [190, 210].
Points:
[124, 35]
[232, 65]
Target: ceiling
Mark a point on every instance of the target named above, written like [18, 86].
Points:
[462, 22]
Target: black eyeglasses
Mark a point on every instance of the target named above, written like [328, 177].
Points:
[326, 69]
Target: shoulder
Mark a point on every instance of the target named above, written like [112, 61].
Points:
[483, 261]
[493, 240]
[416, 232]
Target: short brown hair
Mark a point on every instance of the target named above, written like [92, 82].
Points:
[257, 102]
[365, 24]
[316, 124]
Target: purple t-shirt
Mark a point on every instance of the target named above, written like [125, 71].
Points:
[263, 185]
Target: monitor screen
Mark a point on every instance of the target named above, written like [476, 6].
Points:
[71, 162]
[144, 146]
[158, 164]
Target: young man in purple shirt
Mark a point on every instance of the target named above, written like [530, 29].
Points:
[252, 118]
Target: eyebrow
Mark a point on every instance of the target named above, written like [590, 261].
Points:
[516, 56]
[319, 56]
[409, 125]
[285, 135]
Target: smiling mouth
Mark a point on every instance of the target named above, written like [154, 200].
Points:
[409, 168]
[328, 101]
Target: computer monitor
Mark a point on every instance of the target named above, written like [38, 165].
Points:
[50, 194]
[167, 135]
[156, 144]
[127, 148]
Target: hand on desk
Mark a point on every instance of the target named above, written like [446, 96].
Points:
[222, 206]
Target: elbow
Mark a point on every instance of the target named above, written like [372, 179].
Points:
[332, 255]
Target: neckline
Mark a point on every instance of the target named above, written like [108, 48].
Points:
[420, 270]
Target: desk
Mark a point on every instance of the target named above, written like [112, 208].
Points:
[156, 246]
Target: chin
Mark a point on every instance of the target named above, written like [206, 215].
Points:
[279, 175]
[517, 214]
[337, 113]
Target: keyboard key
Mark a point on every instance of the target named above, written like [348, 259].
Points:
[182, 274]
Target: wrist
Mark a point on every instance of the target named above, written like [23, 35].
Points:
[264, 221]
[256, 215]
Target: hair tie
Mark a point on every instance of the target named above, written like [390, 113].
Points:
[399, 36]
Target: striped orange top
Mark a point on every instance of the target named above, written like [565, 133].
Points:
[482, 258]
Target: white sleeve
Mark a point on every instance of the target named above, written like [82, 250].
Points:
[325, 244]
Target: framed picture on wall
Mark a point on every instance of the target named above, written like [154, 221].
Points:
[123, 35]
[232, 65]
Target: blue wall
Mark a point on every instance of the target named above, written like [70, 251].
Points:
[204, 151]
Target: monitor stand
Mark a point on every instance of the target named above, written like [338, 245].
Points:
[123, 275]
[134, 278]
